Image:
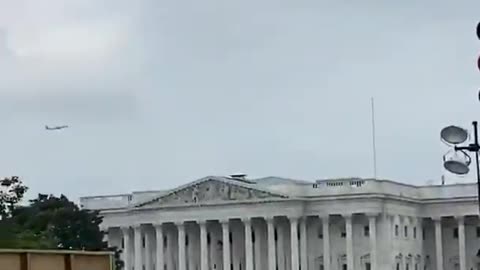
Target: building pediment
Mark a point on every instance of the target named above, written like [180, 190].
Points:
[211, 190]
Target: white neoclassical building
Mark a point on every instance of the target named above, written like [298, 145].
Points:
[233, 223]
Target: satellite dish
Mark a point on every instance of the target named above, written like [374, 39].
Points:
[457, 164]
[456, 167]
[478, 30]
[454, 135]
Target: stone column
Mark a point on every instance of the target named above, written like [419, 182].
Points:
[181, 246]
[326, 242]
[438, 242]
[159, 261]
[148, 249]
[203, 245]
[303, 244]
[226, 244]
[294, 242]
[372, 225]
[419, 223]
[272, 259]
[138, 247]
[349, 242]
[461, 243]
[248, 244]
[127, 244]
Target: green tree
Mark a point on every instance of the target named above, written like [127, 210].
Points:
[12, 191]
[64, 224]
[48, 222]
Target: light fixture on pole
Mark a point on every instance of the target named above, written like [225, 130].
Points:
[459, 162]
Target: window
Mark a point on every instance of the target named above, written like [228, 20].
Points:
[416, 266]
[366, 231]
[455, 233]
[186, 240]
[396, 230]
[208, 238]
[343, 234]
[123, 242]
[165, 241]
[143, 241]
[344, 267]
[230, 237]
[276, 235]
[368, 266]
[423, 234]
[478, 232]
[398, 266]
[414, 232]
[405, 231]
[407, 267]
[320, 233]
[253, 237]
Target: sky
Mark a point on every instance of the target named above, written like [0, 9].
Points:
[158, 93]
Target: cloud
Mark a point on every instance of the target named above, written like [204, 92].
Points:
[78, 106]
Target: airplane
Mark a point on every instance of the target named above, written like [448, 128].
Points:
[55, 128]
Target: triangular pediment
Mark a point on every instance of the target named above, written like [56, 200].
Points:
[211, 191]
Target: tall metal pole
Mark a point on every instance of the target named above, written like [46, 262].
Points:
[374, 142]
[475, 134]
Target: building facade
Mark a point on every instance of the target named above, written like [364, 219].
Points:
[232, 223]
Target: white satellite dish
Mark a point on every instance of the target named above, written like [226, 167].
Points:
[454, 135]
[456, 163]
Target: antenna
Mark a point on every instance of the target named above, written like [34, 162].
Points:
[374, 146]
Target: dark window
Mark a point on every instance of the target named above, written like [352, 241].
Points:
[368, 266]
[123, 242]
[165, 267]
[407, 267]
[298, 234]
[396, 230]
[230, 237]
[343, 234]
[322, 267]
[415, 232]
[276, 235]
[165, 241]
[143, 241]
[366, 231]
[398, 266]
[455, 233]
[416, 266]
[231, 266]
[253, 237]
[320, 234]
[143, 267]
[344, 267]
[208, 238]
[405, 231]
[186, 240]
[478, 231]
[423, 233]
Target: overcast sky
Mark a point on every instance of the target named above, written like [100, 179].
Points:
[162, 92]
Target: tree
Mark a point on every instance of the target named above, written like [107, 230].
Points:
[12, 191]
[48, 222]
[64, 224]
[63, 221]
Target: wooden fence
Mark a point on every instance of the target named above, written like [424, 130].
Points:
[11, 259]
